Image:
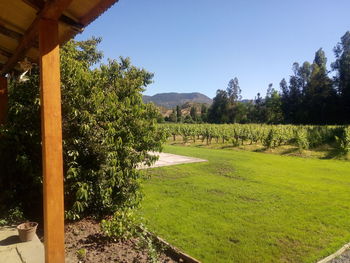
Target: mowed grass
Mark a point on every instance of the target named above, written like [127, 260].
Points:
[250, 207]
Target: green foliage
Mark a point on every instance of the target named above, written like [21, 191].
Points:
[302, 139]
[81, 254]
[344, 140]
[178, 114]
[12, 216]
[273, 105]
[218, 111]
[107, 132]
[122, 226]
[342, 79]
[126, 224]
[20, 149]
[269, 139]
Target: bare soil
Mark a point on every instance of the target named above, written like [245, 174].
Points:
[85, 243]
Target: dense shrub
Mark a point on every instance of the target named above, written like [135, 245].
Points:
[301, 139]
[269, 140]
[344, 140]
[320, 135]
[107, 132]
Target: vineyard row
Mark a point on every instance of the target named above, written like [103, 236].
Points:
[304, 137]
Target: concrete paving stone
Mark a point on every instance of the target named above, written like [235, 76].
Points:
[167, 159]
[12, 250]
[10, 255]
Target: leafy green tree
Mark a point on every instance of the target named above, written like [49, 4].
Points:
[234, 96]
[292, 95]
[273, 106]
[107, 132]
[178, 114]
[342, 79]
[188, 119]
[242, 112]
[258, 111]
[193, 113]
[218, 111]
[172, 116]
[234, 91]
[204, 113]
[319, 99]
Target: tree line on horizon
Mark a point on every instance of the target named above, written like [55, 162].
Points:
[311, 96]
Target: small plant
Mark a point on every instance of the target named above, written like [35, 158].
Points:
[3, 222]
[13, 216]
[146, 242]
[125, 224]
[122, 226]
[81, 254]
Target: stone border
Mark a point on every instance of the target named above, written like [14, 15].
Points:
[336, 254]
[173, 252]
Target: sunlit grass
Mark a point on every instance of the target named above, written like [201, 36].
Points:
[244, 206]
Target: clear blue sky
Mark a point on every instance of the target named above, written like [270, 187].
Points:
[199, 45]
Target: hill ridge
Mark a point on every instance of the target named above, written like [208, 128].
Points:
[172, 99]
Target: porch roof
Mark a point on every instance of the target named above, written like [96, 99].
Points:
[19, 22]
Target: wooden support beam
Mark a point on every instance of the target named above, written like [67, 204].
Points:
[52, 10]
[51, 129]
[3, 100]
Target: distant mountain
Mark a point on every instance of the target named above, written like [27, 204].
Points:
[170, 100]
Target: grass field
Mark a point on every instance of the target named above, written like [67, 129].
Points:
[244, 206]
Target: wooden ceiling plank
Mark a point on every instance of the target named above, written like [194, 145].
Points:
[101, 7]
[52, 10]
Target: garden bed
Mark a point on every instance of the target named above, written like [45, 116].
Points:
[85, 243]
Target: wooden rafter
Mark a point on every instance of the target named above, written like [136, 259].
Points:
[15, 35]
[52, 10]
[5, 53]
[10, 33]
[39, 5]
[73, 24]
[36, 4]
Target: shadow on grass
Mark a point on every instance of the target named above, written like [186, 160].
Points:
[260, 150]
[226, 147]
[290, 151]
[335, 154]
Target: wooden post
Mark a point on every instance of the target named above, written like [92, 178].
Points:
[3, 99]
[51, 128]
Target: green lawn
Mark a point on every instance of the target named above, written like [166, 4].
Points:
[250, 207]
